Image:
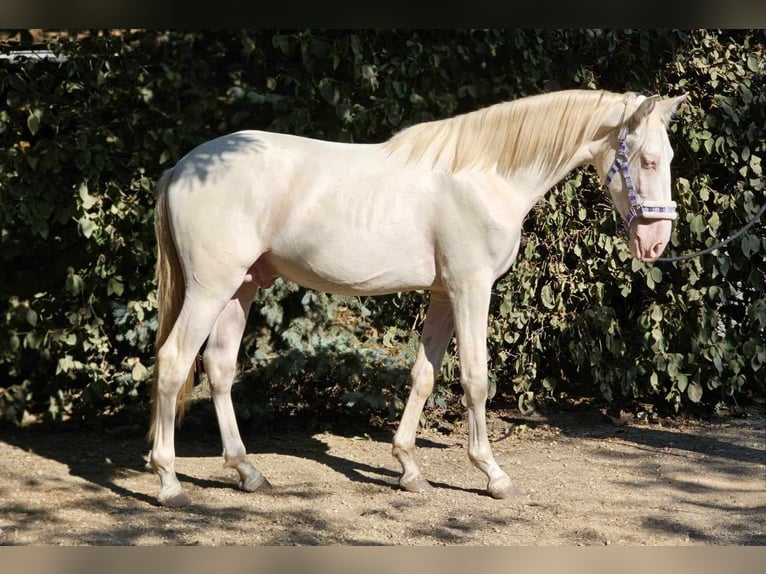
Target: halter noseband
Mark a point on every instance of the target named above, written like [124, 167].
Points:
[647, 209]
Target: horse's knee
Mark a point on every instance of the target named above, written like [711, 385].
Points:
[219, 368]
[422, 376]
[476, 390]
[170, 373]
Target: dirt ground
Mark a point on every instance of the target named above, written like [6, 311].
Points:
[585, 479]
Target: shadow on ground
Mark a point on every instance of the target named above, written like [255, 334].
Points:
[100, 459]
[590, 423]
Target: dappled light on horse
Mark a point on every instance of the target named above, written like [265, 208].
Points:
[438, 207]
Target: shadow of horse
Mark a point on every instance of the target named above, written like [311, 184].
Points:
[102, 457]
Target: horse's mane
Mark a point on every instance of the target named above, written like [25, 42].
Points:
[542, 131]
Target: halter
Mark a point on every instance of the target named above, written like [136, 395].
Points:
[648, 209]
[660, 209]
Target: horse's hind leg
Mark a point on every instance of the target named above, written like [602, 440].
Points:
[437, 332]
[174, 360]
[220, 359]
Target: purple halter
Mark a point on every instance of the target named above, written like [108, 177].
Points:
[647, 209]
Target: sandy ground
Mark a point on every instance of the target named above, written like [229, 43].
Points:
[585, 480]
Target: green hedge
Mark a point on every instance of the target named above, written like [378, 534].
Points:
[84, 137]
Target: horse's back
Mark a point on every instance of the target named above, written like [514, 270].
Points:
[332, 216]
[346, 218]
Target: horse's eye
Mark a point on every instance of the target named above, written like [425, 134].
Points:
[648, 162]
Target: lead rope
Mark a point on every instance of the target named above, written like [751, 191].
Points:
[658, 210]
[710, 249]
[718, 245]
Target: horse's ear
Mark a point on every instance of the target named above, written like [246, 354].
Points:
[669, 106]
[642, 112]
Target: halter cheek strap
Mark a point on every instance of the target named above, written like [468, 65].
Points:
[647, 209]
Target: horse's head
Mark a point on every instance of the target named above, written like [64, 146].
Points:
[635, 168]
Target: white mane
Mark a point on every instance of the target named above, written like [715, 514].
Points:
[542, 130]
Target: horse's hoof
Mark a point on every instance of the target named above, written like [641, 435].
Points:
[418, 484]
[177, 500]
[255, 484]
[503, 490]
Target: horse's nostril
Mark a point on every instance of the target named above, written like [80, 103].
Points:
[657, 249]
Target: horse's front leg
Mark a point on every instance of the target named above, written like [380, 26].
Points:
[436, 335]
[470, 305]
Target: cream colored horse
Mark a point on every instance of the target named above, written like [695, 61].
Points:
[438, 207]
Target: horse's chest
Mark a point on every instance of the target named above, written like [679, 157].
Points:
[504, 247]
[501, 230]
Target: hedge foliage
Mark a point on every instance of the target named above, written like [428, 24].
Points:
[84, 136]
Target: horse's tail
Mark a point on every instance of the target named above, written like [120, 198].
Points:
[170, 295]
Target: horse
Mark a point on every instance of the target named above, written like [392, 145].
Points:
[438, 207]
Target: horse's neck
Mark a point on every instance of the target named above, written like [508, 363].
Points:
[532, 144]
[553, 157]
[536, 181]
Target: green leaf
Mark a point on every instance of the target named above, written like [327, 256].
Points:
[87, 200]
[65, 364]
[694, 392]
[693, 295]
[40, 227]
[329, 91]
[114, 286]
[745, 246]
[33, 123]
[546, 294]
[31, 317]
[282, 42]
[755, 164]
[14, 343]
[697, 224]
[86, 226]
[718, 363]
[527, 403]
[389, 337]
[32, 340]
[694, 144]
[139, 372]
[74, 283]
[714, 222]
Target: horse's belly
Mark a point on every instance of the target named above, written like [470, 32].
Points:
[373, 274]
